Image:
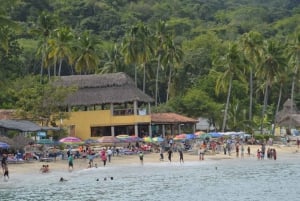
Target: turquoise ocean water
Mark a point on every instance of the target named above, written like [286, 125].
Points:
[214, 180]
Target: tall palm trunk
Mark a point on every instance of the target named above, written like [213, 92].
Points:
[144, 77]
[277, 107]
[227, 105]
[59, 68]
[156, 79]
[264, 107]
[169, 83]
[251, 94]
[135, 74]
[293, 87]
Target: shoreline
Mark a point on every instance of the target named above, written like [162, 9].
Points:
[80, 164]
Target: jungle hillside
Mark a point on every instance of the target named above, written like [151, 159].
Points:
[234, 62]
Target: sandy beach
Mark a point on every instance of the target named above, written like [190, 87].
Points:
[79, 164]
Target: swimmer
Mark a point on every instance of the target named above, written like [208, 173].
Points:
[104, 178]
[111, 178]
[62, 179]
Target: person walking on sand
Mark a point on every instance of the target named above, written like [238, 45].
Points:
[70, 160]
[181, 156]
[109, 154]
[103, 157]
[170, 152]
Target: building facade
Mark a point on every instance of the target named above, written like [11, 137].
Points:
[105, 105]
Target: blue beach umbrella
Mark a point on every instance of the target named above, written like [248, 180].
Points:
[190, 136]
[4, 145]
[215, 134]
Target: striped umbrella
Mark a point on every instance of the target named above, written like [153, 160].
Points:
[71, 140]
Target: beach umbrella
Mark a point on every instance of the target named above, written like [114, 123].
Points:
[91, 141]
[158, 139]
[124, 138]
[198, 133]
[71, 140]
[147, 139]
[215, 134]
[4, 145]
[204, 135]
[180, 137]
[134, 138]
[108, 139]
[190, 136]
[46, 141]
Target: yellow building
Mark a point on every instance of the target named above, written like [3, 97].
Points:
[105, 105]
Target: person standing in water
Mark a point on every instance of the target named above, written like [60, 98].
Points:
[170, 152]
[6, 176]
[70, 161]
[141, 155]
[180, 156]
[161, 153]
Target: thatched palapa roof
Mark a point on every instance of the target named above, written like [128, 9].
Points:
[102, 89]
[170, 118]
[24, 126]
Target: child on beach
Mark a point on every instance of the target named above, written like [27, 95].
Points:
[258, 154]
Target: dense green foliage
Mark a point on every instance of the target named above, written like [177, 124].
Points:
[232, 61]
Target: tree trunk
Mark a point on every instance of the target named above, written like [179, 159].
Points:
[277, 107]
[169, 83]
[59, 68]
[251, 94]
[144, 77]
[227, 105]
[156, 79]
[135, 74]
[264, 107]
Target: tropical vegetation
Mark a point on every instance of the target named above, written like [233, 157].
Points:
[233, 62]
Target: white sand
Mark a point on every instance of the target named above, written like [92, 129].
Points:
[62, 165]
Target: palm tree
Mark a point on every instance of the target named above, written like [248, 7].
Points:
[113, 60]
[172, 57]
[4, 38]
[145, 49]
[45, 26]
[232, 64]
[87, 59]
[137, 48]
[252, 44]
[272, 63]
[130, 49]
[61, 47]
[161, 34]
[294, 60]
[6, 23]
